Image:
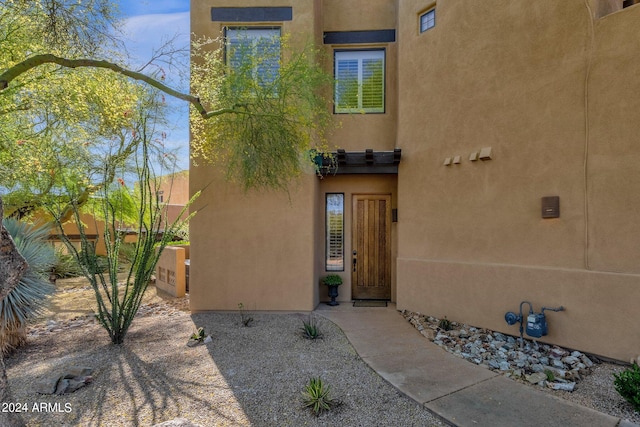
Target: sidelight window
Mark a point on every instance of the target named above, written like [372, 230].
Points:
[334, 232]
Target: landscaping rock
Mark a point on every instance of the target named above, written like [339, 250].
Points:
[73, 379]
[563, 386]
[430, 334]
[528, 359]
[63, 385]
[536, 377]
[47, 386]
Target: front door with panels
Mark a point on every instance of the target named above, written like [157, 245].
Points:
[371, 246]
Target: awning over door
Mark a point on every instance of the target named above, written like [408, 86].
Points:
[360, 162]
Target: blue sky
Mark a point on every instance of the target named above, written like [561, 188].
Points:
[147, 25]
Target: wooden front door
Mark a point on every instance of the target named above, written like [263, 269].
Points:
[371, 245]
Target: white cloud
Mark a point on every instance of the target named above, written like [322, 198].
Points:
[144, 33]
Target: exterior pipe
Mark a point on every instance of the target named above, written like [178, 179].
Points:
[522, 322]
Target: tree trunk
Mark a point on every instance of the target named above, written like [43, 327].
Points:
[12, 267]
[12, 264]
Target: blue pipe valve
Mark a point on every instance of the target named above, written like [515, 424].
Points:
[511, 318]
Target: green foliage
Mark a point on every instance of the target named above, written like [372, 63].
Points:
[65, 110]
[550, 376]
[181, 237]
[57, 121]
[245, 318]
[126, 252]
[118, 302]
[444, 324]
[199, 335]
[310, 329]
[627, 383]
[332, 280]
[28, 299]
[65, 266]
[260, 128]
[317, 398]
[180, 242]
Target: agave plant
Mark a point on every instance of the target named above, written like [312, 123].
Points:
[28, 299]
[316, 397]
[310, 329]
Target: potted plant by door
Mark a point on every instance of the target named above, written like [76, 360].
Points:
[332, 281]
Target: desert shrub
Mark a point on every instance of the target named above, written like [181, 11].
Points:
[445, 324]
[245, 318]
[118, 300]
[627, 383]
[126, 252]
[28, 299]
[65, 266]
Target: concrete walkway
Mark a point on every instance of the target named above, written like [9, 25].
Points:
[460, 392]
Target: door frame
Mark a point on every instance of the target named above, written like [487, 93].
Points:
[385, 292]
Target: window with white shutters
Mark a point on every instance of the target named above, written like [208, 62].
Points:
[335, 232]
[359, 77]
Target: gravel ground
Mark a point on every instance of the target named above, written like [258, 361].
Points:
[247, 376]
[597, 391]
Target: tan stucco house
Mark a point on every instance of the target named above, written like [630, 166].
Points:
[493, 159]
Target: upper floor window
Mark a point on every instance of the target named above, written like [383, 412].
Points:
[254, 51]
[427, 20]
[359, 86]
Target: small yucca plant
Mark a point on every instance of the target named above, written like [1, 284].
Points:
[28, 299]
[310, 329]
[316, 397]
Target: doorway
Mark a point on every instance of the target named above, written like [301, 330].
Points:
[371, 244]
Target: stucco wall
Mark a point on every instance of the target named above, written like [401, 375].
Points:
[550, 89]
[254, 248]
[600, 314]
[175, 188]
[301, 28]
[92, 227]
[171, 271]
[613, 150]
[360, 131]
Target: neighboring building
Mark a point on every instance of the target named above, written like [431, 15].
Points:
[173, 194]
[471, 116]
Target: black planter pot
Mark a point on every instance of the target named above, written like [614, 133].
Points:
[333, 293]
